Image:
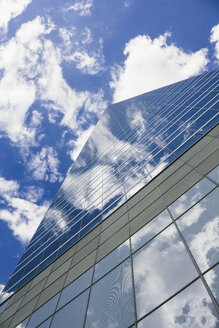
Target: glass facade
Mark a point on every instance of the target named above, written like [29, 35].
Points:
[165, 274]
[161, 277]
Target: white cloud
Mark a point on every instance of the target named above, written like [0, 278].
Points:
[83, 7]
[36, 118]
[33, 194]
[8, 186]
[19, 61]
[21, 215]
[151, 64]
[214, 38]
[88, 64]
[44, 165]
[67, 35]
[86, 34]
[82, 50]
[10, 9]
[31, 66]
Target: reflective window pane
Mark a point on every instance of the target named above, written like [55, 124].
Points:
[75, 288]
[212, 278]
[111, 260]
[43, 312]
[150, 230]
[214, 174]
[23, 323]
[200, 228]
[161, 268]
[71, 315]
[191, 197]
[111, 300]
[192, 308]
[46, 323]
[3, 307]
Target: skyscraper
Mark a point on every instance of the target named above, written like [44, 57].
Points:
[130, 239]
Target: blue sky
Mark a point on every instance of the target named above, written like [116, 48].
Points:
[61, 64]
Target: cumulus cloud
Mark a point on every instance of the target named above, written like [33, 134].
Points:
[83, 7]
[153, 63]
[18, 60]
[10, 9]
[8, 186]
[44, 165]
[214, 38]
[31, 66]
[82, 50]
[22, 216]
[86, 63]
[33, 193]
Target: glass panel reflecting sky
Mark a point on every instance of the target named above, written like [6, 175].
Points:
[71, 315]
[111, 302]
[212, 278]
[111, 260]
[192, 308]
[161, 268]
[191, 197]
[133, 138]
[200, 228]
[150, 230]
[43, 312]
[75, 288]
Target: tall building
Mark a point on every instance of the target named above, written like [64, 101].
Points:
[131, 238]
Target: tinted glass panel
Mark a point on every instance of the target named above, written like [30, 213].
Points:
[111, 260]
[192, 308]
[111, 300]
[215, 174]
[75, 288]
[200, 228]
[43, 312]
[72, 315]
[150, 230]
[191, 197]
[212, 278]
[161, 268]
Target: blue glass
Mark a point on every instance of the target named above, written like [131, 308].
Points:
[68, 244]
[23, 324]
[111, 260]
[111, 301]
[75, 288]
[91, 225]
[43, 312]
[214, 174]
[71, 315]
[3, 307]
